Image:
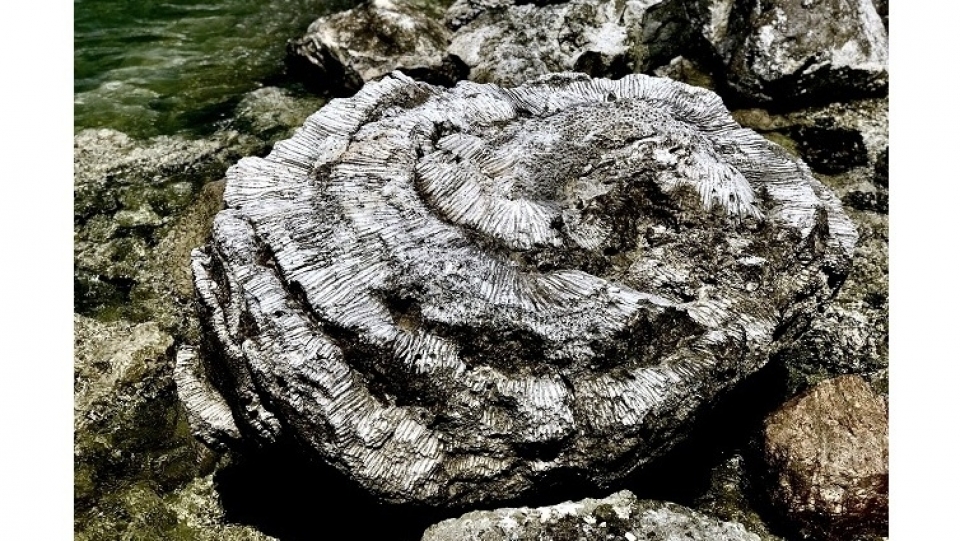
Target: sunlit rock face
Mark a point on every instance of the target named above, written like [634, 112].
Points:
[797, 51]
[509, 42]
[460, 295]
[344, 50]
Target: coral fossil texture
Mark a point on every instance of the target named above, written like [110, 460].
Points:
[458, 295]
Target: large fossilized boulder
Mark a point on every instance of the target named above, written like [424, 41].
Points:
[456, 295]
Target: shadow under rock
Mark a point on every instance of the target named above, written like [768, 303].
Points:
[282, 493]
[731, 427]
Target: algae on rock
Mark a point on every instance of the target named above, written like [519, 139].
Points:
[129, 428]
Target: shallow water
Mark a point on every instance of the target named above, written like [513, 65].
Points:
[179, 66]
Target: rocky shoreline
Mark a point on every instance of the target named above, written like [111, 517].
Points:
[748, 472]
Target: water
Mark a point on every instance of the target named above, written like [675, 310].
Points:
[153, 68]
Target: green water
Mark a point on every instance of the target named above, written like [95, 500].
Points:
[179, 66]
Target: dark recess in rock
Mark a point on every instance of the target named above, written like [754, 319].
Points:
[881, 173]
[868, 201]
[457, 296]
[831, 150]
[275, 491]
[684, 475]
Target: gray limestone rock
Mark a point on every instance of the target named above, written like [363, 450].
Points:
[850, 335]
[459, 295]
[686, 71]
[509, 42]
[344, 50]
[827, 457]
[620, 516]
[796, 51]
[273, 113]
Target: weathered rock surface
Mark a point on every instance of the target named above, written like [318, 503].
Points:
[509, 42]
[128, 426]
[728, 498]
[827, 456]
[458, 295]
[620, 516]
[128, 197]
[851, 335]
[344, 50]
[795, 51]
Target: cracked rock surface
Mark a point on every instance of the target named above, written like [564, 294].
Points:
[510, 42]
[620, 516]
[460, 295]
[344, 50]
[790, 51]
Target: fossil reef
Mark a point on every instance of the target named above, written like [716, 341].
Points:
[460, 295]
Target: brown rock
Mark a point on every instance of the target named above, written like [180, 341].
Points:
[826, 454]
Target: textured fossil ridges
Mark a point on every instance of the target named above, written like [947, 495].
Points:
[453, 294]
